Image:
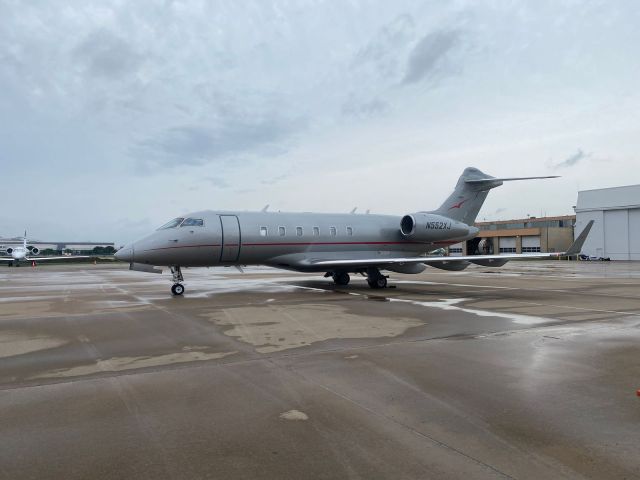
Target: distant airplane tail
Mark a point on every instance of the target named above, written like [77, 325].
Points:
[24, 239]
[470, 193]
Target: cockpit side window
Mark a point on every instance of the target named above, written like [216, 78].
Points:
[172, 224]
[193, 222]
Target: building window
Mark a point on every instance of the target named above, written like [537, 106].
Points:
[455, 250]
[316, 231]
[282, 231]
[350, 231]
[507, 250]
[332, 231]
[263, 231]
[299, 231]
[530, 249]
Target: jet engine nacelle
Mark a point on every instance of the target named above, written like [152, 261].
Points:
[431, 227]
[9, 251]
[34, 250]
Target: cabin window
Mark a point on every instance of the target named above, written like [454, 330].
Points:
[316, 231]
[299, 231]
[193, 222]
[263, 231]
[332, 231]
[172, 224]
[350, 231]
[282, 231]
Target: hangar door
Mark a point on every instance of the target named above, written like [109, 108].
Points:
[616, 234]
[507, 244]
[634, 234]
[530, 244]
[230, 238]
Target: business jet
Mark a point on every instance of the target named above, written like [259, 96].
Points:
[336, 244]
[28, 253]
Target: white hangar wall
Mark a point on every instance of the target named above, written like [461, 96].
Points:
[616, 231]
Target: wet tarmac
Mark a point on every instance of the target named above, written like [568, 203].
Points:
[529, 371]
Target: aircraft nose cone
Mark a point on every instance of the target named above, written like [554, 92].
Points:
[125, 254]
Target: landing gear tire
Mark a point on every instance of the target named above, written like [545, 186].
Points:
[176, 275]
[375, 279]
[341, 278]
[380, 282]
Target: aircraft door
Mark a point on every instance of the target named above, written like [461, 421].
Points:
[230, 238]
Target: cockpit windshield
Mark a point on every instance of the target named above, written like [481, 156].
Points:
[172, 224]
[193, 222]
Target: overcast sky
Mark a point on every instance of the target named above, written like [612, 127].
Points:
[117, 116]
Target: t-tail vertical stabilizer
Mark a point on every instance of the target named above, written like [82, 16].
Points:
[471, 191]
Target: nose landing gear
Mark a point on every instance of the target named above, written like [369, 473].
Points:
[177, 288]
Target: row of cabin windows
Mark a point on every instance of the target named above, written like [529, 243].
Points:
[282, 231]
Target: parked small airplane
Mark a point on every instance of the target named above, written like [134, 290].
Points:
[337, 244]
[28, 253]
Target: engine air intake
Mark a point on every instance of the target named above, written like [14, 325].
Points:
[408, 225]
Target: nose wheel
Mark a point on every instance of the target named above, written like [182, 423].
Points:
[177, 288]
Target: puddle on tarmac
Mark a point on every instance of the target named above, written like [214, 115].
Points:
[452, 304]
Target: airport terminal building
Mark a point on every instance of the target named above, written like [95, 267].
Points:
[57, 246]
[616, 231]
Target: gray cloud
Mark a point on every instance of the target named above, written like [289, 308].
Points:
[426, 56]
[105, 55]
[571, 160]
[201, 144]
[383, 50]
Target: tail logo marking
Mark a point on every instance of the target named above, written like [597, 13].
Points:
[457, 205]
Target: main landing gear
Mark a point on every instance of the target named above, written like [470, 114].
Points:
[375, 279]
[177, 288]
[341, 278]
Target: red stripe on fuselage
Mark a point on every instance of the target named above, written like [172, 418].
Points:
[293, 244]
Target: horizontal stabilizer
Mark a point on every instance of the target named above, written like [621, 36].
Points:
[479, 181]
[576, 247]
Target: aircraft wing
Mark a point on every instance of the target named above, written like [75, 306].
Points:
[487, 260]
[67, 257]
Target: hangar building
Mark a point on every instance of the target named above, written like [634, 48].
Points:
[616, 231]
[523, 235]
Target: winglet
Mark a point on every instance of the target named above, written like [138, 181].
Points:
[265, 208]
[576, 247]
